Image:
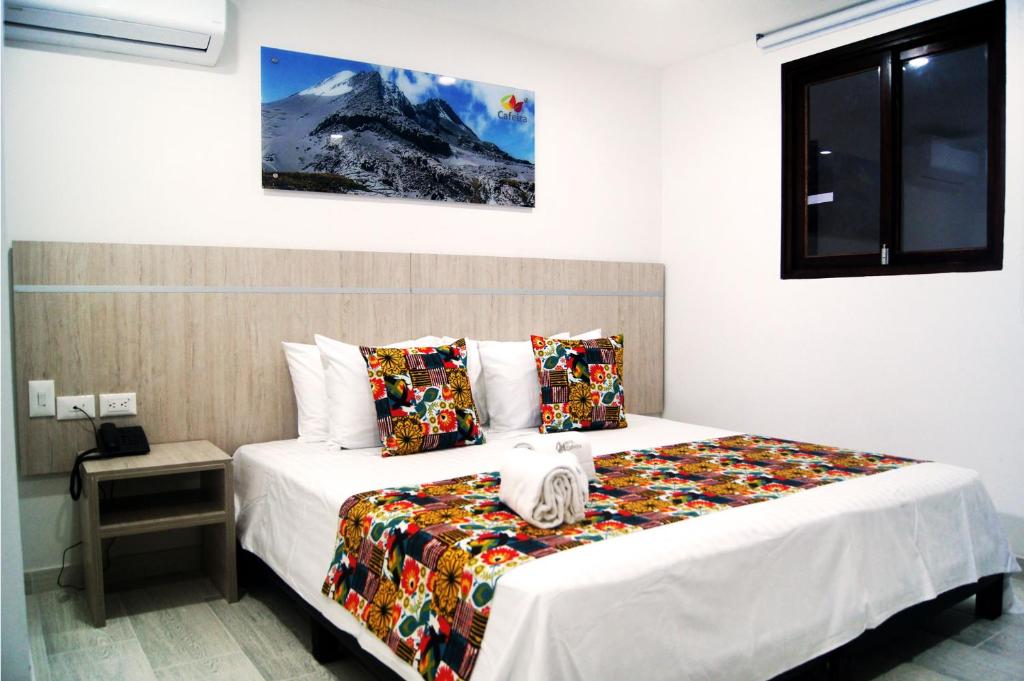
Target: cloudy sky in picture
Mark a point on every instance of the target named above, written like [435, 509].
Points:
[486, 108]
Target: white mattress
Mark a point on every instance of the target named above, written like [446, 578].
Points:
[746, 593]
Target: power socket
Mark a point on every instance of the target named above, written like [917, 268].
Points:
[117, 404]
[66, 406]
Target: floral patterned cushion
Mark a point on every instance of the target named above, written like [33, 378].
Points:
[422, 398]
[580, 383]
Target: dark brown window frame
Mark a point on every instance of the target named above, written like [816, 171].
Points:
[980, 24]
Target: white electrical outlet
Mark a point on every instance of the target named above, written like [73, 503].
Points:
[66, 406]
[117, 404]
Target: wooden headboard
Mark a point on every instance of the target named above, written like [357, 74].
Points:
[195, 332]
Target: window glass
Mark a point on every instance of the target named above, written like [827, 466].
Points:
[945, 150]
[843, 169]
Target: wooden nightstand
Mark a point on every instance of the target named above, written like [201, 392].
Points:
[211, 506]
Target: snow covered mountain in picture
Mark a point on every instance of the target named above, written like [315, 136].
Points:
[334, 125]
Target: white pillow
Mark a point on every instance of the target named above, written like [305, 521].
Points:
[351, 416]
[510, 382]
[307, 371]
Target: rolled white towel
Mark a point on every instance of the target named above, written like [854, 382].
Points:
[575, 443]
[579, 446]
[546, 488]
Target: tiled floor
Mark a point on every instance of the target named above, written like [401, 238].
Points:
[181, 630]
[184, 631]
[953, 645]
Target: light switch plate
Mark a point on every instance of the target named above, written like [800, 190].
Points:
[66, 406]
[117, 404]
[40, 399]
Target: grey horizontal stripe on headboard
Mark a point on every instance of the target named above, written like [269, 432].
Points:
[126, 288]
[534, 292]
[136, 288]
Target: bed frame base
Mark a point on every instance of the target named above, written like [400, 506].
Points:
[838, 664]
[323, 644]
[988, 603]
[329, 643]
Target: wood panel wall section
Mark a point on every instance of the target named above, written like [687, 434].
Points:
[195, 332]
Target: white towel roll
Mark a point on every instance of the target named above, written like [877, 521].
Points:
[574, 442]
[579, 446]
[546, 488]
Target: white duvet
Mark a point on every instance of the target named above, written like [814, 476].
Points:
[745, 593]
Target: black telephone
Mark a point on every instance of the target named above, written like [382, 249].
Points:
[111, 441]
[126, 441]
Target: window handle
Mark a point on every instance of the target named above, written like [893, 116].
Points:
[885, 254]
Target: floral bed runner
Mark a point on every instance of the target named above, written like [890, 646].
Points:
[418, 565]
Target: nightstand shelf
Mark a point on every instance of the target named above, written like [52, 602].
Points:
[210, 506]
[158, 512]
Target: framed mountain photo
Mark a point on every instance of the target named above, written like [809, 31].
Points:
[349, 127]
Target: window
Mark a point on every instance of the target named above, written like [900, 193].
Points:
[893, 152]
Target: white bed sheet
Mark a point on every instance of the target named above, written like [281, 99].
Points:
[742, 594]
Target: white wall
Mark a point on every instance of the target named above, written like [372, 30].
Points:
[109, 148]
[112, 149]
[14, 657]
[15, 660]
[928, 366]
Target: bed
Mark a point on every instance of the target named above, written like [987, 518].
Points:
[739, 594]
[745, 594]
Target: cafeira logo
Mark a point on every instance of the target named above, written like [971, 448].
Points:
[512, 109]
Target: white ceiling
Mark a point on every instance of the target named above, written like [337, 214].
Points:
[654, 32]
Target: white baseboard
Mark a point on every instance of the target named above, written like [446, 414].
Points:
[45, 579]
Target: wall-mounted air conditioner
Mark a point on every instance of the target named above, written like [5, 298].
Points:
[189, 31]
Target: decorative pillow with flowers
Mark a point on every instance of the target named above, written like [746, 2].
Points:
[422, 398]
[580, 383]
